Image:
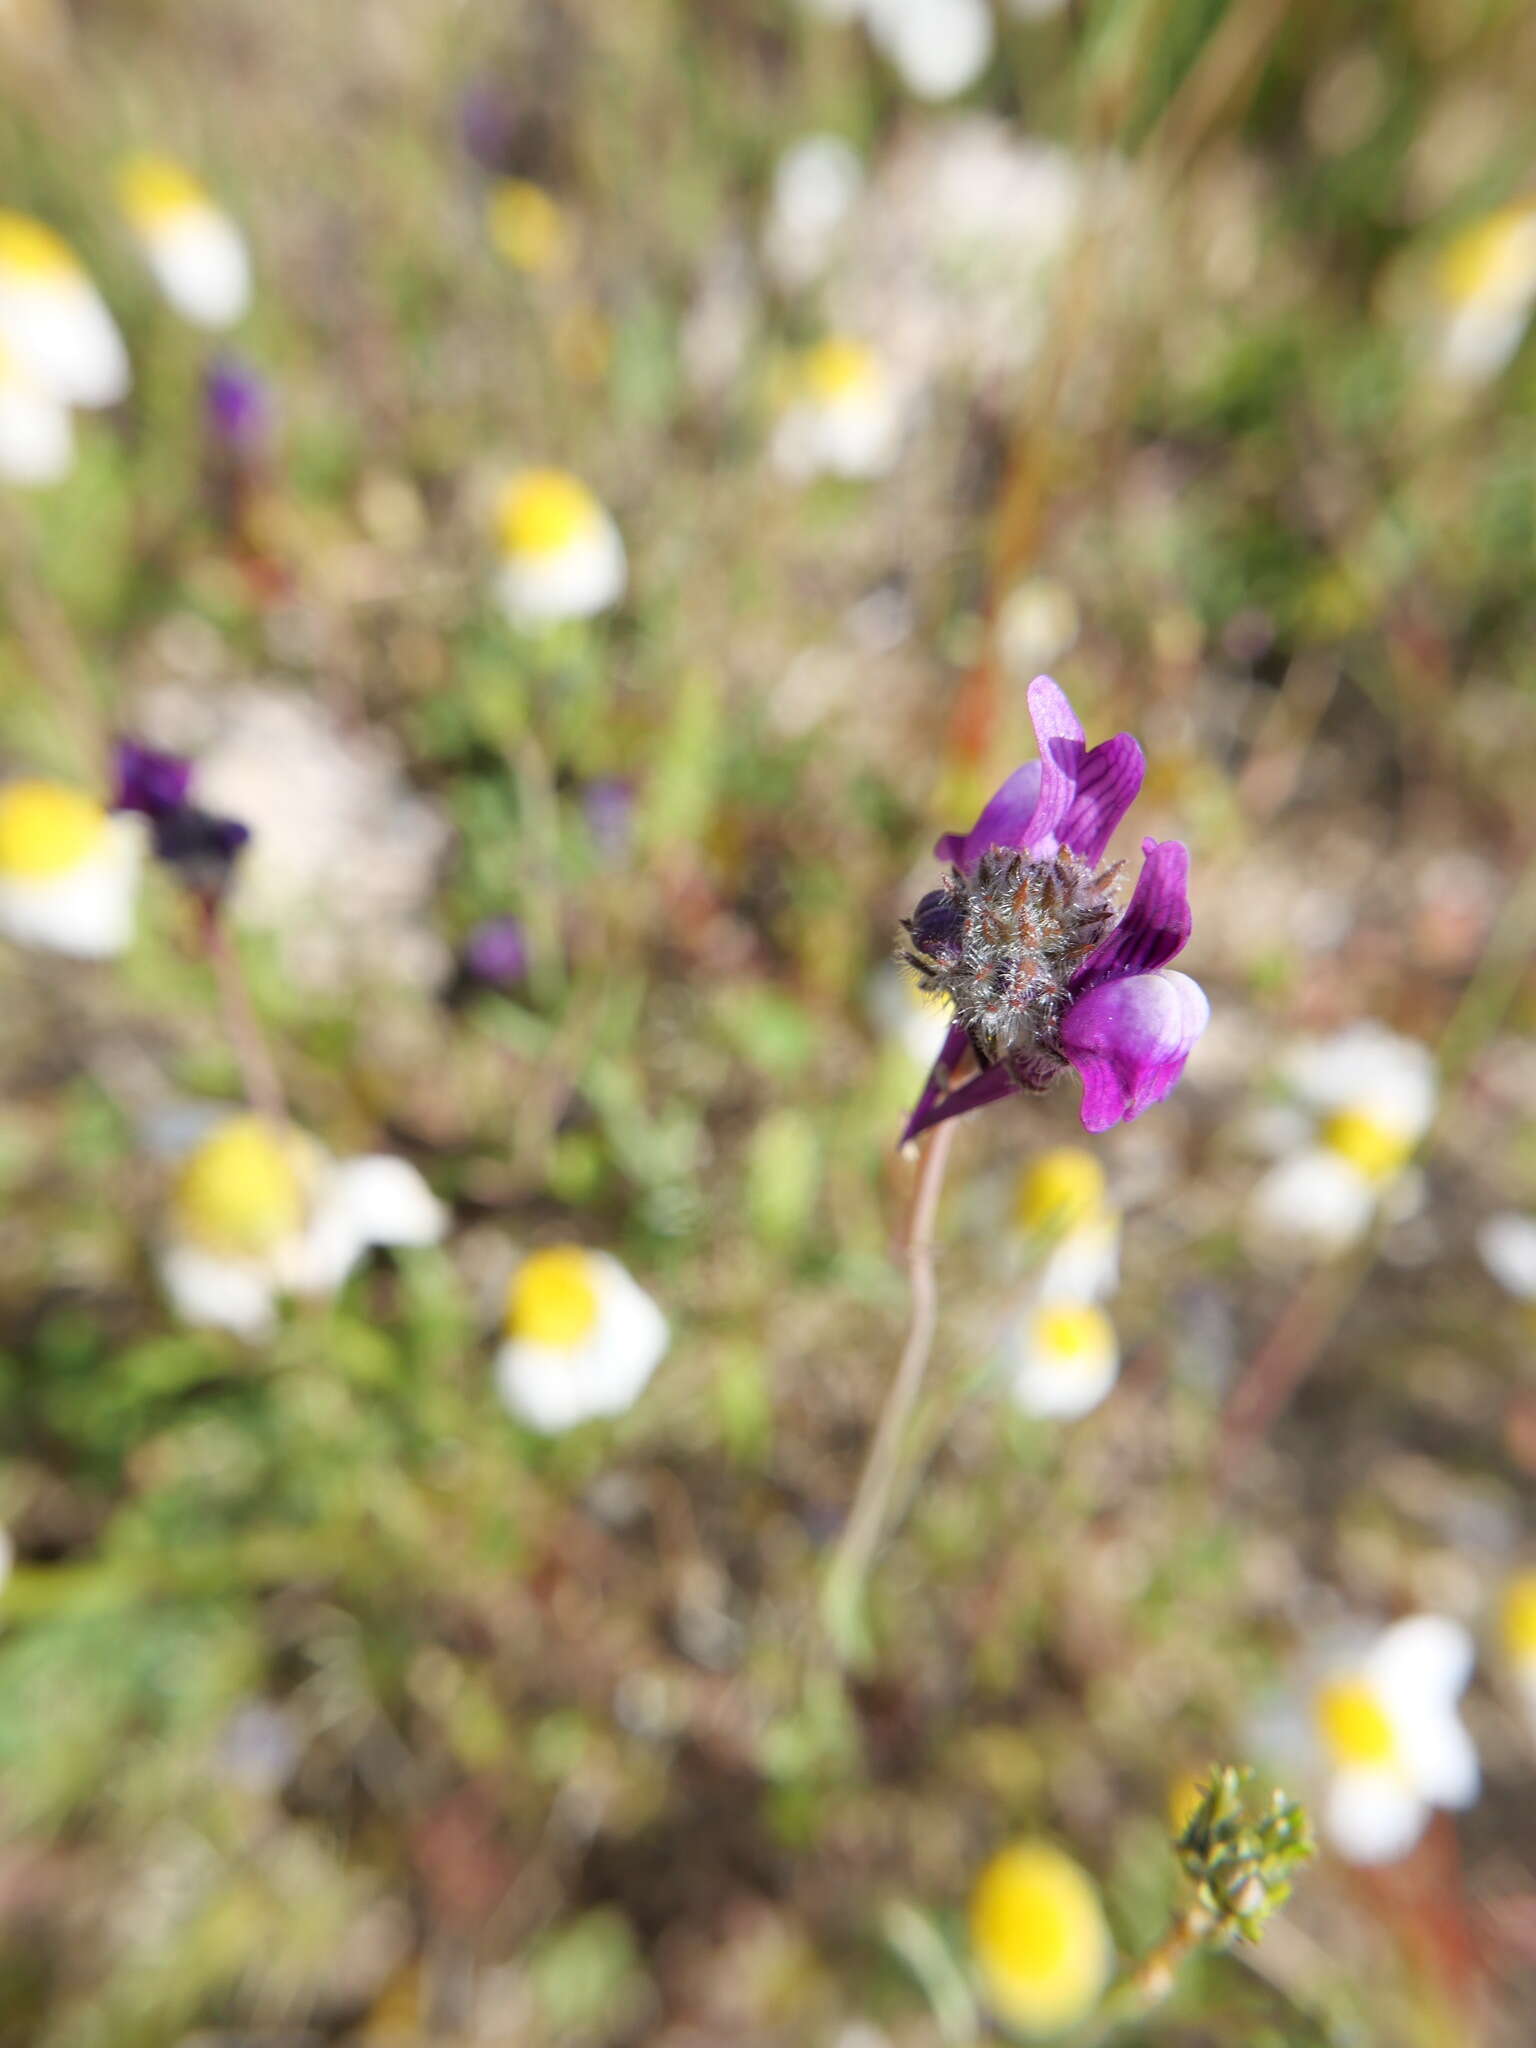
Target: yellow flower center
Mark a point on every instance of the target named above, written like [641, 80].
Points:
[838, 369]
[545, 511]
[1038, 1938]
[1493, 261]
[1355, 1727]
[1058, 1191]
[152, 190]
[1375, 1148]
[553, 1298]
[1517, 1619]
[1075, 1336]
[33, 250]
[527, 227]
[46, 830]
[242, 1192]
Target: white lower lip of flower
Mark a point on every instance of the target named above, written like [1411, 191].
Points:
[356, 1205]
[939, 46]
[1507, 1245]
[200, 262]
[554, 1387]
[858, 437]
[576, 582]
[1048, 1383]
[1372, 1816]
[87, 912]
[1316, 1201]
[60, 331]
[37, 439]
[1084, 1265]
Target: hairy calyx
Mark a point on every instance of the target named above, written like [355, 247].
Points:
[1002, 941]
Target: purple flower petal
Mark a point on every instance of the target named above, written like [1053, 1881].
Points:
[976, 1093]
[1107, 786]
[953, 1050]
[1129, 1040]
[147, 780]
[497, 951]
[1026, 814]
[1156, 923]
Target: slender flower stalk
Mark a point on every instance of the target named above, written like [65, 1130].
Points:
[866, 1522]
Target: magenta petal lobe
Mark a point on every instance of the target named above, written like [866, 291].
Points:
[1059, 742]
[1107, 785]
[976, 1093]
[1156, 923]
[1004, 822]
[1129, 1040]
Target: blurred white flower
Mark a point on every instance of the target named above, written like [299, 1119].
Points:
[815, 184]
[37, 436]
[259, 1210]
[343, 857]
[940, 47]
[69, 870]
[1070, 1226]
[845, 416]
[561, 554]
[1486, 291]
[1372, 1097]
[1507, 1243]
[197, 254]
[1390, 1738]
[581, 1339]
[52, 318]
[951, 248]
[1061, 1356]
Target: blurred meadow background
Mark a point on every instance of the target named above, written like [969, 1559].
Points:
[588, 484]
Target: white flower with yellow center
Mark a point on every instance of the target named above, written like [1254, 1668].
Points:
[69, 870]
[581, 1339]
[259, 1210]
[940, 47]
[1062, 1207]
[528, 227]
[197, 254]
[1487, 288]
[815, 184]
[561, 554]
[1062, 1357]
[1391, 1739]
[37, 437]
[52, 318]
[844, 416]
[1372, 1098]
[1517, 1636]
[1040, 1944]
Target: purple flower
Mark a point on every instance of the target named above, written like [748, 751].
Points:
[497, 951]
[237, 407]
[1024, 941]
[609, 804]
[200, 847]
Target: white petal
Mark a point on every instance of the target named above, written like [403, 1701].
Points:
[389, 1202]
[1371, 1070]
[1426, 1655]
[1372, 1816]
[1316, 1201]
[87, 913]
[1084, 1265]
[227, 1294]
[1439, 1755]
[199, 259]
[1507, 1243]
[939, 46]
[577, 582]
[61, 332]
[37, 440]
[553, 1388]
[815, 184]
[1476, 342]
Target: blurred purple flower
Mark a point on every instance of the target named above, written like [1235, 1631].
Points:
[237, 407]
[201, 848]
[609, 804]
[497, 952]
[487, 125]
[1023, 939]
